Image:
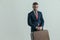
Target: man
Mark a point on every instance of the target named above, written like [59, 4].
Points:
[35, 19]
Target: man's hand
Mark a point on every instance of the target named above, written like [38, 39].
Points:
[39, 28]
[36, 27]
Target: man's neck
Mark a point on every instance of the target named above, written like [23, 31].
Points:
[35, 11]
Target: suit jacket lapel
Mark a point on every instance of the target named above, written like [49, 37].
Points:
[35, 16]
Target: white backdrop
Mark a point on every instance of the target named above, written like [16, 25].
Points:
[13, 18]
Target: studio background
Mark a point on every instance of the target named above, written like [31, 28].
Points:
[13, 18]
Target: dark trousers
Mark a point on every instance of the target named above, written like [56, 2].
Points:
[32, 35]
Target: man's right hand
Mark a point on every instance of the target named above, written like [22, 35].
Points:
[37, 28]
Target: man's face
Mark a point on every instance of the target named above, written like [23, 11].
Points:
[35, 7]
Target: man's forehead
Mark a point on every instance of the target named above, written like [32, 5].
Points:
[35, 5]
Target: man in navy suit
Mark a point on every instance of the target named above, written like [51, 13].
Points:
[35, 19]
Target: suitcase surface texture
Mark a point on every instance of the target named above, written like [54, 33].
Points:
[41, 35]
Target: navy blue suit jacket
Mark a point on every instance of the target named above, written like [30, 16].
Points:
[33, 22]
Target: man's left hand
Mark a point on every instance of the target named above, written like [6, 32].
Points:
[41, 28]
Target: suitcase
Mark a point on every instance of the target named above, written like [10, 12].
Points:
[41, 35]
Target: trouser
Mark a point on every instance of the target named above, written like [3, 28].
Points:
[32, 35]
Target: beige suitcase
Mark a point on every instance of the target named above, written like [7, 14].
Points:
[41, 35]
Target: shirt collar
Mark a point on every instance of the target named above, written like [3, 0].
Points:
[34, 11]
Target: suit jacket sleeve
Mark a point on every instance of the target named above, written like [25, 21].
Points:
[30, 21]
[42, 20]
